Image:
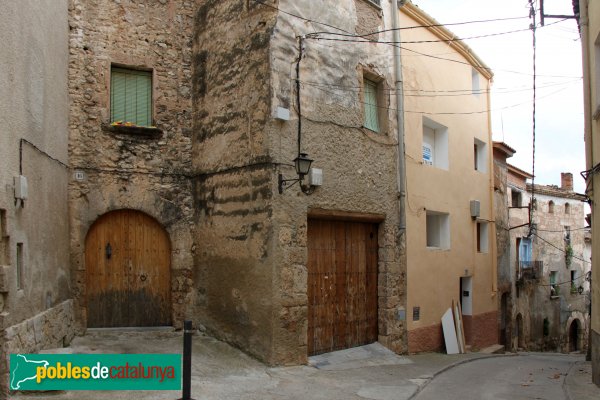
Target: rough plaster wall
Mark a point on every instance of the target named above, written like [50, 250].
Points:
[122, 170]
[251, 265]
[234, 184]
[502, 224]
[368, 18]
[505, 275]
[33, 86]
[358, 166]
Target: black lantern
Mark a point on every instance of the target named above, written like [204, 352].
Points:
[302, 164]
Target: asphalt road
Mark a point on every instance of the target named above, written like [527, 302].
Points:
[527, 376]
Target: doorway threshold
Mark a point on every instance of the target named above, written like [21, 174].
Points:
[370, 355]
[134, 329]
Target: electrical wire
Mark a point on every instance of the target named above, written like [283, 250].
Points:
[386, 30]
[449, 113]
[558, 248]
[415, 51]
[533, 29]
[442, 93]
[455, 39]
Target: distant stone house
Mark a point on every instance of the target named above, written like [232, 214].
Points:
[545, 294]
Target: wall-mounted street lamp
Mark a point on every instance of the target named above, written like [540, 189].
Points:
[302, 164]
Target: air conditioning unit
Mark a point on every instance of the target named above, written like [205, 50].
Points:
[475, 209]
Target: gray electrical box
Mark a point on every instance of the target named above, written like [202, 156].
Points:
[475, 206]
[21, 188]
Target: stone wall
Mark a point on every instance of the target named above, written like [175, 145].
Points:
[53, 328]
[233, 187]
[251, 264]
[123, 168]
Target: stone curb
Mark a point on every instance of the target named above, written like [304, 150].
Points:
[456, 364]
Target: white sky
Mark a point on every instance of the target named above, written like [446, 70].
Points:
[559, 132]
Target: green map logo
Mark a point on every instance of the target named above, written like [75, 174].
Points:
[95, 372]
[24, 370]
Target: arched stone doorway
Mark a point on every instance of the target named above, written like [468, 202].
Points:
[574, 330]
[128, 279]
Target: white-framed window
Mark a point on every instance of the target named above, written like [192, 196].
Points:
[435, 144]
[475, 82]
[482, 237]
[438, 230]
[480, 155]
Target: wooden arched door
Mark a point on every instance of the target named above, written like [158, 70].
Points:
[128, 279]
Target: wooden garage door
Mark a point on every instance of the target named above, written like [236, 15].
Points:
[342, 285]
[127, 261]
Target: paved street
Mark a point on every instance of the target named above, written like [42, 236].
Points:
[220, 371]
[527, 376]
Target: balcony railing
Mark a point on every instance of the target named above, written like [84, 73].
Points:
[530, 270]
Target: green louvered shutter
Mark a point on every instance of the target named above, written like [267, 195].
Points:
[371, 108]
[131, 96]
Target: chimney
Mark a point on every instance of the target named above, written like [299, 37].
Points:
[566, 181]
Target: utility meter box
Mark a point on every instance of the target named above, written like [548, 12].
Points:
[21, 189]
[315, 177]
[475, 206]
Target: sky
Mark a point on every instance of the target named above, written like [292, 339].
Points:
[559, 111]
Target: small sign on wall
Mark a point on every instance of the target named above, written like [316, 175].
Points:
[427, 154]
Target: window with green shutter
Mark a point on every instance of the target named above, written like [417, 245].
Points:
[131, 96]
[371, 106]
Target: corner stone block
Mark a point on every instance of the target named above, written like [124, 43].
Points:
[4, 281]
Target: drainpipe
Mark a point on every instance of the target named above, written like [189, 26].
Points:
[587, 112]
[401, 171]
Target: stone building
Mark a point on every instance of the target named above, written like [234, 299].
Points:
[505, 264]
[548, 301]
[36, 310]
[589, 26]
[199, 171]
[181, 199]
[204, 161]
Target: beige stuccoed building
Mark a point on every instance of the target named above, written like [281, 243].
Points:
[451, 253]
[589, 23]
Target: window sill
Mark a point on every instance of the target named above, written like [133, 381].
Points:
[437, 248]
[137, 131]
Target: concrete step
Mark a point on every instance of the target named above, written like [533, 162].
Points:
[494, 349]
